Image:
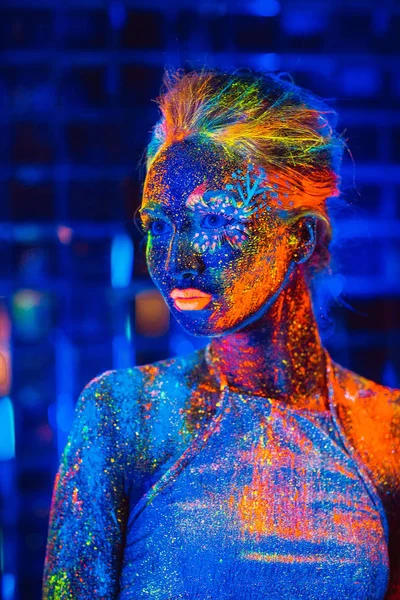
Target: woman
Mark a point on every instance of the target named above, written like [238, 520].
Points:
[256, 468]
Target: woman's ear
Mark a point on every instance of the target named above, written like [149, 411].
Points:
[303, 238]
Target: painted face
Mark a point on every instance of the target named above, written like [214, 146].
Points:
[218, 246]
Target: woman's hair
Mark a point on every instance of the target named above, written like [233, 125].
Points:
[280, 126]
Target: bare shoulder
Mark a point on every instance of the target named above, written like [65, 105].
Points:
[370, 415]
[152, 401]
[369, 395]
[176, 373]
[171, 378]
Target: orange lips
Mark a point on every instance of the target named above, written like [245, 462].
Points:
[190, 299]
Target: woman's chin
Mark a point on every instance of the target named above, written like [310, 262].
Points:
[198, 327]
[208, 323]
[204, 325]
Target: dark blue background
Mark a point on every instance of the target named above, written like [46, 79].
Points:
[76, 82]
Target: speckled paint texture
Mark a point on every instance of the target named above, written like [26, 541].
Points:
[256, 468]
[231, 496]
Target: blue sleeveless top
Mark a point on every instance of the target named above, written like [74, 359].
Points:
[253, 500]
[266, 503]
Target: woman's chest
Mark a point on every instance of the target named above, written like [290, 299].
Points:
[266, 508]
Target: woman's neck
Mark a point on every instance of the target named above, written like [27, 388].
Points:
[279, 356]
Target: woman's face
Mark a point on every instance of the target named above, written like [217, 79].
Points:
[218, 248]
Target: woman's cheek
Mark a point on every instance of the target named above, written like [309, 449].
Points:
[250, 281]
[155, 260]
[228, 277]
[150, 255]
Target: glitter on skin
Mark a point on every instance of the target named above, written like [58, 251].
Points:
[257, 467]
[171, 184]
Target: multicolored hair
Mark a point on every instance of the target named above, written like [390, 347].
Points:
[280, 126]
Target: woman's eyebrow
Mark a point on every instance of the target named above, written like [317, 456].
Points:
[155, 212]
[148, 210]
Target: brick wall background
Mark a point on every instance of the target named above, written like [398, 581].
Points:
[76, 83]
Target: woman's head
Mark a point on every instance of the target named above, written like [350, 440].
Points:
[238, 172]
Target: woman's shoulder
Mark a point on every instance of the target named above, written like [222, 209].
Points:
[148, 397]
[155, 379]
[149, 405]
[356, 390]
[370, 415]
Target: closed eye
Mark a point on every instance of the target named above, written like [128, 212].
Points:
[214, 221]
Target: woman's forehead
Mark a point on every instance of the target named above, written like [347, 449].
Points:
[182, 168]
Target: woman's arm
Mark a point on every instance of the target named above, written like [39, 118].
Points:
[89, 505]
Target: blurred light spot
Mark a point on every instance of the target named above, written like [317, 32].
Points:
[121, 260]
[27, 233]
[65, 413]
[297, 22]
[8, 586]
[31, 313]
[262, 8]
[64, 234]
[43, 97]
[5, 326]
[128, 328]
[27, 299]
[267, 61]
[380, 19]
[390, 377]
[360, 81]
[117, 14]
[29, 397]
[5, 352]
[5, 379]
[29, 175]
[7, 429]
[152, 314]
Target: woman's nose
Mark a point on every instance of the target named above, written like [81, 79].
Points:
[183, 261]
